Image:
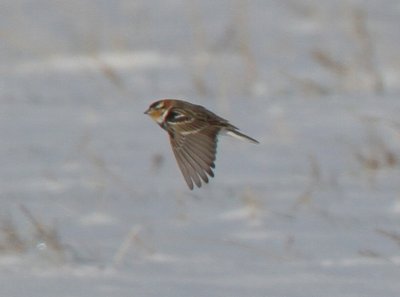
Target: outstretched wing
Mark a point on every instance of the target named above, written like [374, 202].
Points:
[195, 153]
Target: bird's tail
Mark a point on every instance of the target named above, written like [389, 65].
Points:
[239, 135]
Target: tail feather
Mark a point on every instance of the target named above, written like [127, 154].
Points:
[241, 136]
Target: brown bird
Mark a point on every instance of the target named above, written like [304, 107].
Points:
[193, 132]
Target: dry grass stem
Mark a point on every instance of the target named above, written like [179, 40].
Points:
[367, 57]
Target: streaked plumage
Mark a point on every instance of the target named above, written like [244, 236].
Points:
[193, 132]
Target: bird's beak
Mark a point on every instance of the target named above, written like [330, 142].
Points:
[147, 111]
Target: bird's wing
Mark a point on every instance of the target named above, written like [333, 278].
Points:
[195, 151]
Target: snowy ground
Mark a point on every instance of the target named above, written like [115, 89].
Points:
[92, 201]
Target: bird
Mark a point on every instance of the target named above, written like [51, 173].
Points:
[193, 133]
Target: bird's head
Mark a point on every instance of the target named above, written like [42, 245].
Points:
[158, 110]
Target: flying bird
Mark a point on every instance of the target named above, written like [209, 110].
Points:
[193, 133]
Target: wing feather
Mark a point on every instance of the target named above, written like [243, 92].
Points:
[205, 159]
[195, 154]
[184, 169]
[185, 162]
[198, 169]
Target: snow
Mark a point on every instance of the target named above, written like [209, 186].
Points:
[93, 203]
